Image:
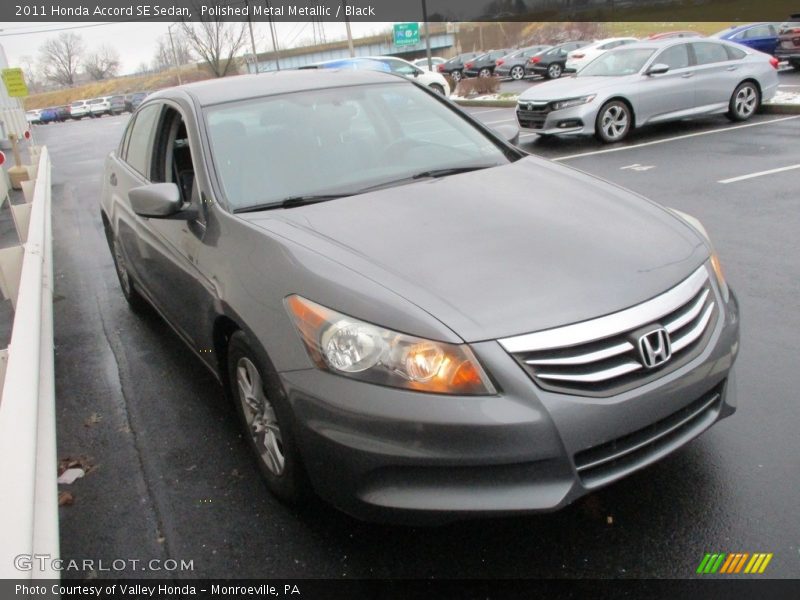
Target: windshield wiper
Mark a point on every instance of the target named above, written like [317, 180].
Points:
[451, 171]
[433, 173]
[290, 202]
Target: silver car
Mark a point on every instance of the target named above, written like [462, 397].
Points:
[405, 327]
[651, 82]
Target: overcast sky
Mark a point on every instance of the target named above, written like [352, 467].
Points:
[136, 42]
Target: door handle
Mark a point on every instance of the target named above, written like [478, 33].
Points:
[687, 75]
[113, 179]
[732, 68]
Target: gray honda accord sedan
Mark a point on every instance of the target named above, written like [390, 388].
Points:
[415, 319]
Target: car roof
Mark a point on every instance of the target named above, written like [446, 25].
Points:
[242, 87]
[738, 28]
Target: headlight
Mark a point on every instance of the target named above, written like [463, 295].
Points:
[353, 348]
[715, 263]
[573, 102]
[717, 267]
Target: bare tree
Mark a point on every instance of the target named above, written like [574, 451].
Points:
[60, 57]
[33, 75]
[164, 58]
[216, 43]
[102, 64]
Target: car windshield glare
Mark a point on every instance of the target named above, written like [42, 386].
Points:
[625, 61]
[337, 142]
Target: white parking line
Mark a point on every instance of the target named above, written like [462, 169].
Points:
[759, 174]
[496, 122]
[676, 138]
[483, 112]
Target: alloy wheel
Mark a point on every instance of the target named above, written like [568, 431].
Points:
[746, 101]
[260, 417]
[517, 73]
[614, 122]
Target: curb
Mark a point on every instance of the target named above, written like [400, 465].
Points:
[488, 103]
[781, 109]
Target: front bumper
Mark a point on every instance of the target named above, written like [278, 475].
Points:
[577, 120]
[391, 455]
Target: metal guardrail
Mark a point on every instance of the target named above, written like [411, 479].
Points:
[28, 459]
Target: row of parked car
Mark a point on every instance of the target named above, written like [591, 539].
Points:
[551, 61]
[95, 107]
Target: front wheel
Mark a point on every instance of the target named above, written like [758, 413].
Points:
[554, 71]
[260, 402]
[744, 102]
[437, 88]
[132, 296]
[517, 73]
[613, 122]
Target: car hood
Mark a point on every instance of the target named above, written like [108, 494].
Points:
[572, 87]
[502, 251]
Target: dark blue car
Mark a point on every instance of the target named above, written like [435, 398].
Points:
[758, 36]
[49, 115]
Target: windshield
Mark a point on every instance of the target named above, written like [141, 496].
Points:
[625, 61]
[338, 142]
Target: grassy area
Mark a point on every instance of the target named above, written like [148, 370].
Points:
[120, 85]
[642, 29]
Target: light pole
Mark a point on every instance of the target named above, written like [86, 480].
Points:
[174, 54]
[252, 38]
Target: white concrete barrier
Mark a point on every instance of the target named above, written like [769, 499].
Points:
[28, 460]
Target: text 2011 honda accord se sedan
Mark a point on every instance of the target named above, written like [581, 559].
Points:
[414, 318]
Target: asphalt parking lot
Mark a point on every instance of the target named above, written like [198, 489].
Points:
[172, 477]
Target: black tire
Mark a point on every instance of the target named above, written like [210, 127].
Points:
[132, 296]
[744, 101]
[554, 71]
[485, 72]
[613, 123]
[437, 88]
[517, 73]
[271, 426]
[457, 75]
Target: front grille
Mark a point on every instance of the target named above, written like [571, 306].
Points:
[600, 464]
[603, 356]
[532, 114]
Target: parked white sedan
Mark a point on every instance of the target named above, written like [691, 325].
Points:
[389, 64]
[577, 59]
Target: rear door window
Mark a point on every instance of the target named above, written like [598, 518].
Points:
[708, 53]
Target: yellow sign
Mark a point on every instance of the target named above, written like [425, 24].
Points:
[15, 83]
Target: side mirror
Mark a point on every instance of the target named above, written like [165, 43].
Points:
[157, 200]
[509, 133]
[657, 69]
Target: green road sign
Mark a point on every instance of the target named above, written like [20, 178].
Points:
[406, 34]
[15, 83]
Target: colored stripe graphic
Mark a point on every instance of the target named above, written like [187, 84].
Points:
[730, 563]
[741, 562]
[703, 563]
